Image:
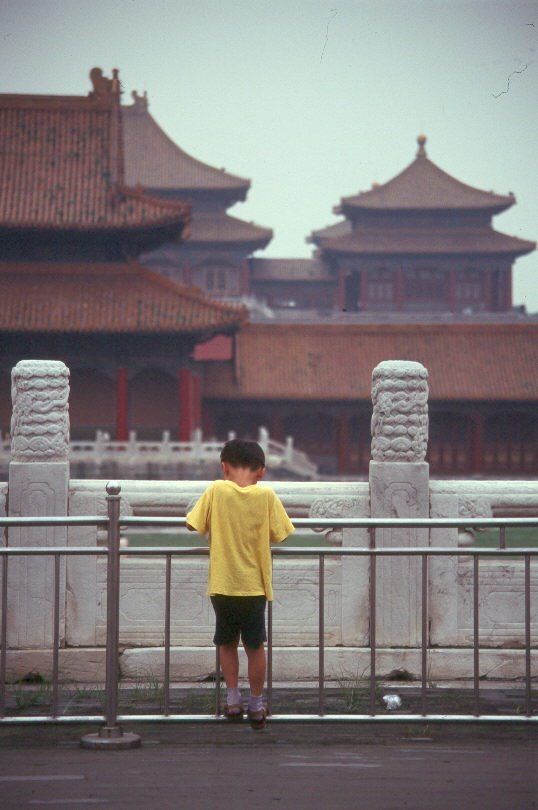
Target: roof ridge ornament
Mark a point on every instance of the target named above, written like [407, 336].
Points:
[102, 85]
[421, 151]
[140, 103]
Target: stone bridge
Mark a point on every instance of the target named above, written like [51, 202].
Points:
[399, 487]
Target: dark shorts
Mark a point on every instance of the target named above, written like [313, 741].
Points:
[239, 616]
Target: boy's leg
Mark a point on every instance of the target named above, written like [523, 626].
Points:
[227, 639]
[229, 663]
[256, 677]
[256, 668]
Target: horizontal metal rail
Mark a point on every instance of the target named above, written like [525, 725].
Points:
[113, 521]
[76, 520]
[359, 523]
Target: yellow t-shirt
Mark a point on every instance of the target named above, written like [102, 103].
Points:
[241, 522]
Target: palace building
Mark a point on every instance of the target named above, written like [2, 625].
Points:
[215, 257]
[119, 257]
[423, 242]
[71, 229]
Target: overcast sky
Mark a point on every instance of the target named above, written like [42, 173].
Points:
[311, 100]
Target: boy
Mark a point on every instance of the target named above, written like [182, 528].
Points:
[242, 520]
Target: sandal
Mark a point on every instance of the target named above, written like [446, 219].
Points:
[233, 712]
[257, 719]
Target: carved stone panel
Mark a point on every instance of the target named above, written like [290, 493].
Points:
[399, 490]
[400, 411]
[35, 490]
[40, 418]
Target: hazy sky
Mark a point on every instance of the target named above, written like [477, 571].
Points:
[311, 100]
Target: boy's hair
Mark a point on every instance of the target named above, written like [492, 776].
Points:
[242, 453]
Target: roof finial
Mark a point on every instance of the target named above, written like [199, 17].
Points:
[102, 86]
[421, 140]
[140, 103]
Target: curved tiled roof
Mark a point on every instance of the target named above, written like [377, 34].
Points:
[61, 167]
[154, 161]
[219, 227]
[342, 228]
[368, 241]
[423, 185]
[335, 362]
[117, 298]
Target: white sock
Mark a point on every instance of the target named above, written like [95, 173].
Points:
[255, 703]
[233, 696]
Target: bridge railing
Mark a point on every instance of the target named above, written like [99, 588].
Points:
[111, 733]
[135, 457]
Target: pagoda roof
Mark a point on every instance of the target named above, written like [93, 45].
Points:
[153, 160]
[429, 241]
[342, 228]
[61, 165]
[100, 297]
[218, 227]
[424, 186]
[335, 362]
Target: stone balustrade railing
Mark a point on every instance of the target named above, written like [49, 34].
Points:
[141, 459]
[399, 487]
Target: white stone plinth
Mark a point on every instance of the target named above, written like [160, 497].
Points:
[399, 490]
[35, 490]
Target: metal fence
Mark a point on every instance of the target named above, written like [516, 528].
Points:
[111, 732]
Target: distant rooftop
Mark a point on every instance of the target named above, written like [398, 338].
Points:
[423, 185]
[154, 161]
[61, 165]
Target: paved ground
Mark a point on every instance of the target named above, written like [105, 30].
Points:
[316, 768]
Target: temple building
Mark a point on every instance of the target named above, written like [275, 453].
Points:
[421, 243]
[215, 258]
[313, 381]
[71, 229]
[119, 257]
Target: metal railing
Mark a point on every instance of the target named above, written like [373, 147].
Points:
[111, 731]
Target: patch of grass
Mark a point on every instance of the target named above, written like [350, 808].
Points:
[147, 689]
[356, 691]
[31, 693]
[515, 537]
[182, 538]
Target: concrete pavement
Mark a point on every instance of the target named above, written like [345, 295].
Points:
[315, 768]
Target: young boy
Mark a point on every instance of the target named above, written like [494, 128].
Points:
[242, 520]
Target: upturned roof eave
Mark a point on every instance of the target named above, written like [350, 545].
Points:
[223, 181]
[349, 251]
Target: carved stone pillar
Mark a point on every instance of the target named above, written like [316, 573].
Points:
[399, 488]
[38, 486]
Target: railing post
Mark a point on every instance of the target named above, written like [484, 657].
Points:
[399, 487]
[111, 735]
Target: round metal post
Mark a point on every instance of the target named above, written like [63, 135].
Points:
[111, 735]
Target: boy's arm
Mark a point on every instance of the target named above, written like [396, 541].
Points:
[281, 526]
[198, 516]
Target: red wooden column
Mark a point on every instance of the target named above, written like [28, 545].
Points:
[477, 443]
[244, 278]
[488, 300]
[399, 295]
[190, 407]
[508, 289]
[452, 289]
[343, 443]
[196, 401]
[340, 295]
[122, 405]
[363, 287]
[277, 431]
